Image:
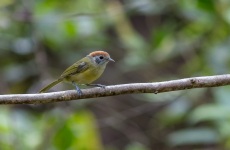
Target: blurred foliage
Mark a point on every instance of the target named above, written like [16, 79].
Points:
[151, 40]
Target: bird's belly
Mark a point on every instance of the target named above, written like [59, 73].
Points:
[86, 77]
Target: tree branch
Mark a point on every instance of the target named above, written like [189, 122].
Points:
[157, 87]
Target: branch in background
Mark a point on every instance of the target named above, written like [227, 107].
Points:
[134, 88]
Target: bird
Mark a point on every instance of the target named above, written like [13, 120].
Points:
[84, 72]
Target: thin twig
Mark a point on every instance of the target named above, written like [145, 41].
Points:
[133, 88]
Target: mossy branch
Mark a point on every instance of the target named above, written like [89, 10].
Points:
[133, 88]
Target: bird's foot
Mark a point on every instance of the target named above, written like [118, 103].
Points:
[97, 85]
[79, 92]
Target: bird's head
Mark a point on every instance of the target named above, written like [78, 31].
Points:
[100, 57]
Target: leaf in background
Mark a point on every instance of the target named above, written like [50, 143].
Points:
[219, 64]
[193, 136]
[209, 112]
[64, 137]
[136, 146]
[222, 95]
[4, 3]
[79, 132]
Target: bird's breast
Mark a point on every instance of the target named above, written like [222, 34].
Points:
[88, 76]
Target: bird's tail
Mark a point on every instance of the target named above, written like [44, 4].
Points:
[46, 88]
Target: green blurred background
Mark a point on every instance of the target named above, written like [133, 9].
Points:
[150, 40]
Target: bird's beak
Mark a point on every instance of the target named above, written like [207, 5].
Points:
[110, 59]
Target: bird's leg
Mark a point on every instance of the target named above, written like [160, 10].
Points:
[97, 85]
[79, 92]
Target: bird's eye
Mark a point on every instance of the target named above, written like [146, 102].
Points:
[101, 57]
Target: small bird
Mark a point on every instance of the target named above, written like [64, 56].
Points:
[84, 71]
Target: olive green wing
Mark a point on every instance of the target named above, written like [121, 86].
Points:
[76, 68]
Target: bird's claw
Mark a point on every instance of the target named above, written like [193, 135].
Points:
[101, 86]
[97, 85]
[79, 92]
